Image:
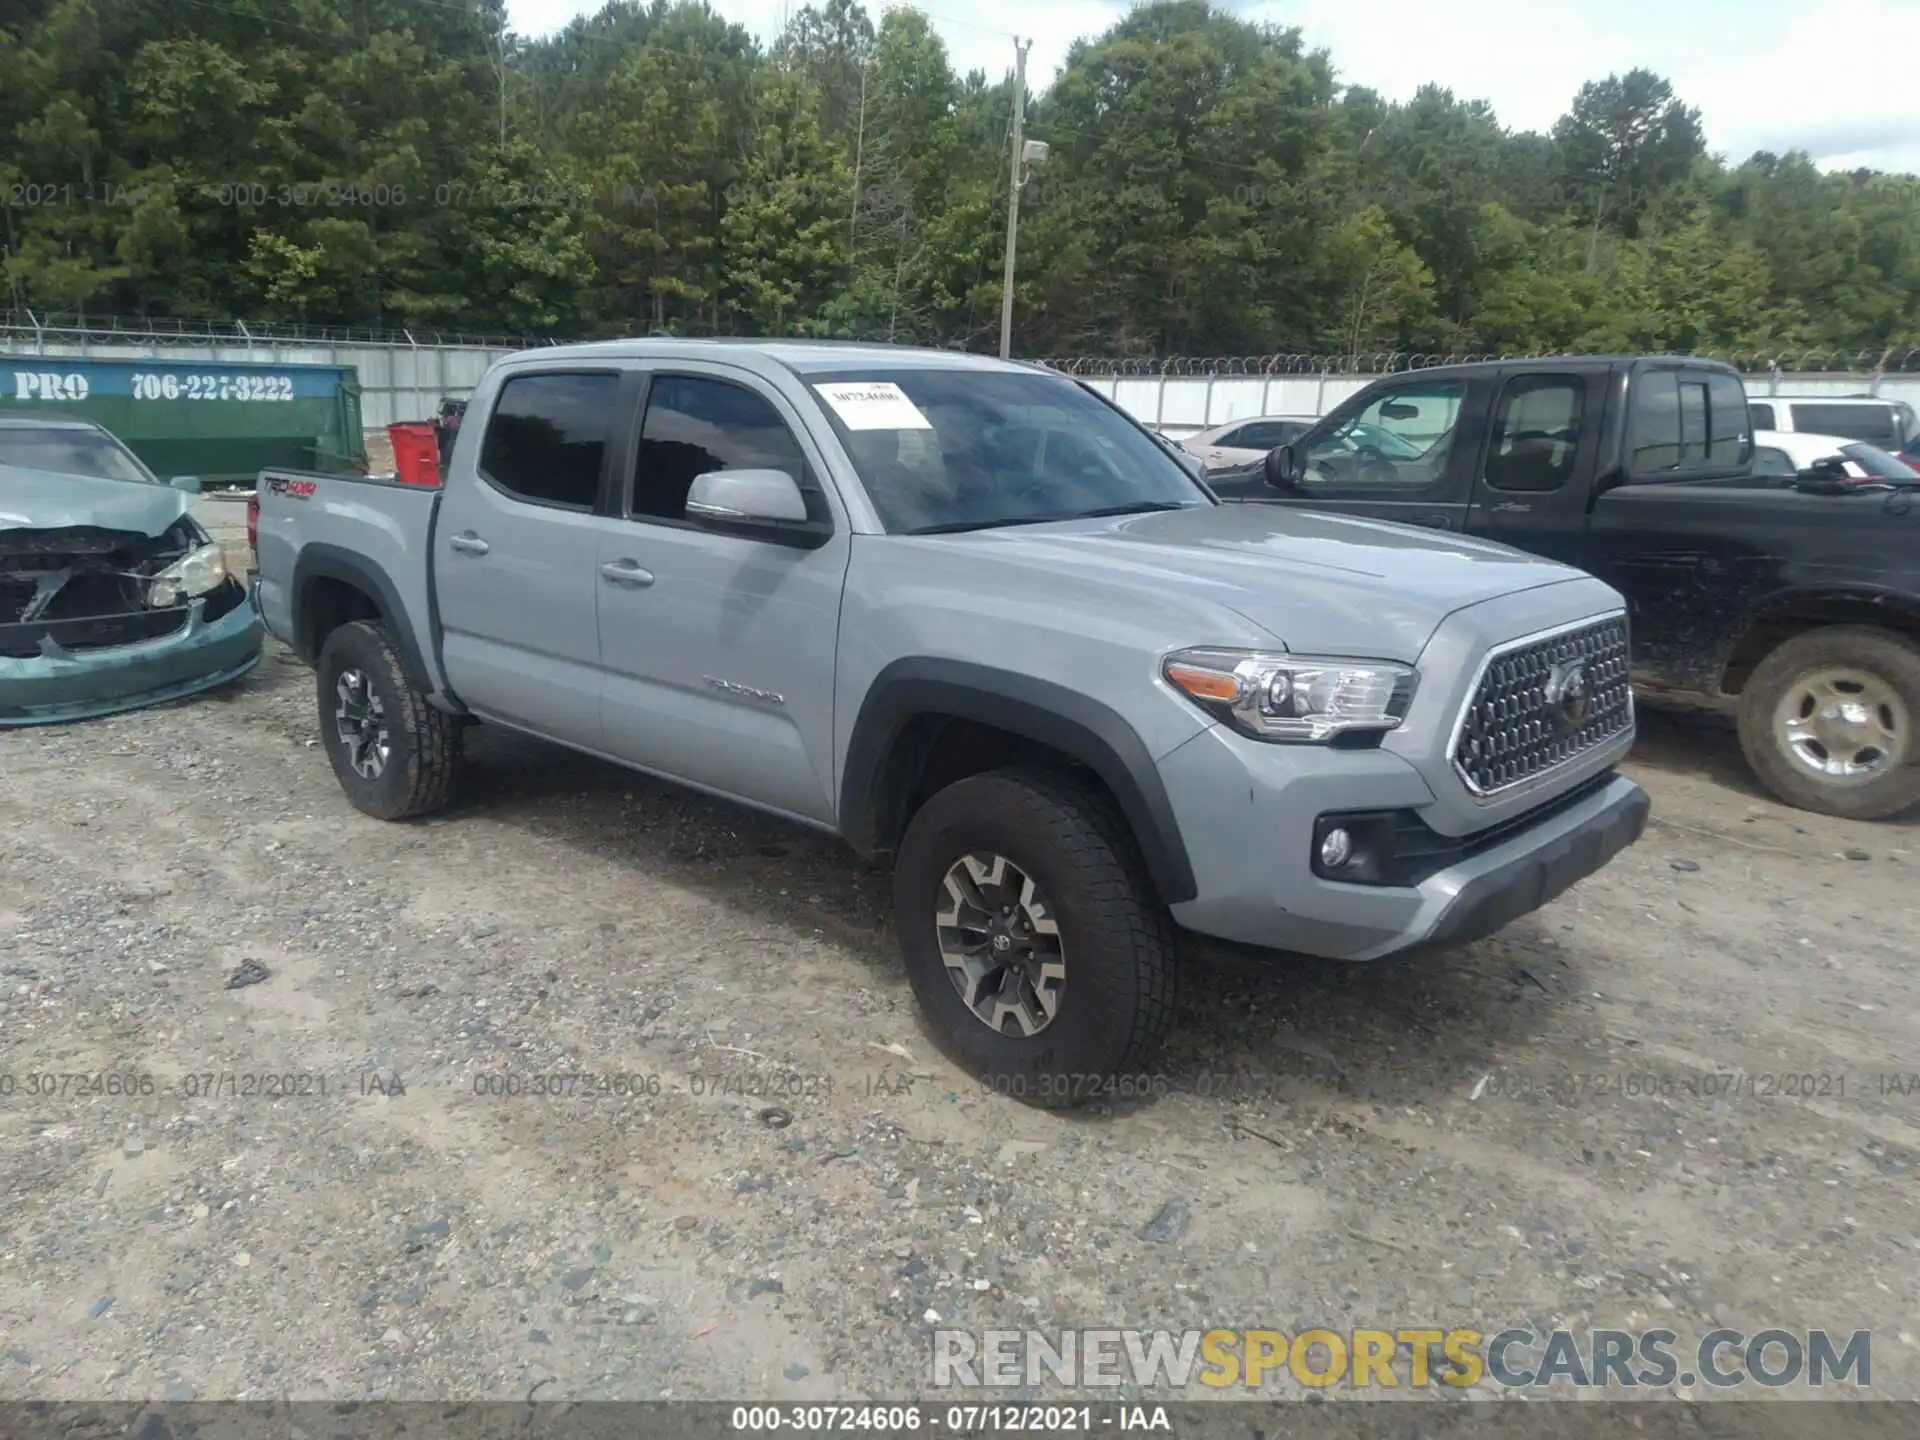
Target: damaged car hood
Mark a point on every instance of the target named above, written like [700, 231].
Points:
[46, 500]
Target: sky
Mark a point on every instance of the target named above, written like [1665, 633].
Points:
[1832, 77]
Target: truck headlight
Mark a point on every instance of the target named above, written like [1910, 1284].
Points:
[200, 570]
[1292, 697]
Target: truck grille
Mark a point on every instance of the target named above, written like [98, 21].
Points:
[1527, 716]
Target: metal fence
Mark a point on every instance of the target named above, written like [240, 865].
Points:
[405, 373]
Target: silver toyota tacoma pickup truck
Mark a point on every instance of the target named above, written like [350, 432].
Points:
[970, 615]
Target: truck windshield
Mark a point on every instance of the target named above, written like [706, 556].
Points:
[70, 452]
[946, 450]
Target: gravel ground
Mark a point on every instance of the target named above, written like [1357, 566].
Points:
[1344, 1146]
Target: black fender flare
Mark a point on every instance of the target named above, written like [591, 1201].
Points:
[877, 767]
[330, 562]
[1891, 607]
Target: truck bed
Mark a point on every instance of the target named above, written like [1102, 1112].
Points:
[370, 529]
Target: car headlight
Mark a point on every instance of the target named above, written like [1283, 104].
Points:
[1292, 697]
[201, 569]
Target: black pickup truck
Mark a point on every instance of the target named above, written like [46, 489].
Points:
[1793, 601]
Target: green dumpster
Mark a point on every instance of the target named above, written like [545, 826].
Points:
[223, 422]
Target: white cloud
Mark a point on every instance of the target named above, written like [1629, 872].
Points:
[1765, 74]
[1829, 76]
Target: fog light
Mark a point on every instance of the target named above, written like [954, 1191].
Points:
[1336, 848]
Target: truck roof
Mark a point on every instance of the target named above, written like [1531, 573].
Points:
[1470, 369]
[803, 357]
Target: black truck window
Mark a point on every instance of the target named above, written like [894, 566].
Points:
[1536, 430]
[1762, 417]
[547, 436]
[1687, 419]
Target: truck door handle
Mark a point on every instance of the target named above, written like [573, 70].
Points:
[1435, 522]
[628, 573]
[468, 543]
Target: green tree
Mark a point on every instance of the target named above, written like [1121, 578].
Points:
[1624, 141]
[785, 228]
[1381, 289]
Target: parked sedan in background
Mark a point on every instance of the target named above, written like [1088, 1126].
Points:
[1787, 453]
[1245, 442]
[112, 595]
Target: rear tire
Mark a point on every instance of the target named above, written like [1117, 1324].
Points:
[1093, 913]
[394, 754]
[1857, 687]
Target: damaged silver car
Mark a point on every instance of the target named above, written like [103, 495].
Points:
[112, 595]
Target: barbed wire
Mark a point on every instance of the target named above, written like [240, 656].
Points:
[17, 325]
[1874, 360]
[116, 329]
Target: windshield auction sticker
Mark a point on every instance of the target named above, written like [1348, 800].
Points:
[874, 405]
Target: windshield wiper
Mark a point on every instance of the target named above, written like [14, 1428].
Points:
[954, 527]
[1137, 507]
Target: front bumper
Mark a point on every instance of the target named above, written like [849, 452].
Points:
[1248, 813]
[61, 684]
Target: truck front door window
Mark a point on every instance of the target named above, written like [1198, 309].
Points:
[547, 437]
[1536, 431]
[1403, 439]
[695, 425]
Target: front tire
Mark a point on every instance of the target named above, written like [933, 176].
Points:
[1036, 946]
[1827, 721]
[394, 754]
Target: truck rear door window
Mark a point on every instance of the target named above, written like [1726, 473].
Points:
[1875, 424]
[1693, 422]
[1536, 431]
[547, 438]
[1688, 420]
[1761, 416]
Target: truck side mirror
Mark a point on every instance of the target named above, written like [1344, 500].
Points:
[1282, 467]
[1824, 477]
[747, 497]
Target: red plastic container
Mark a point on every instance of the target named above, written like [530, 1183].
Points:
[416, 453]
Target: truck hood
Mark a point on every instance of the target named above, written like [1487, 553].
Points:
[1321, 584]
[44, 500]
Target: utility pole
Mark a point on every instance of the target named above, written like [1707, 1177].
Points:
[859, 154]
[1013, 191]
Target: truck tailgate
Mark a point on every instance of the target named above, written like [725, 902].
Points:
[377, 530]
